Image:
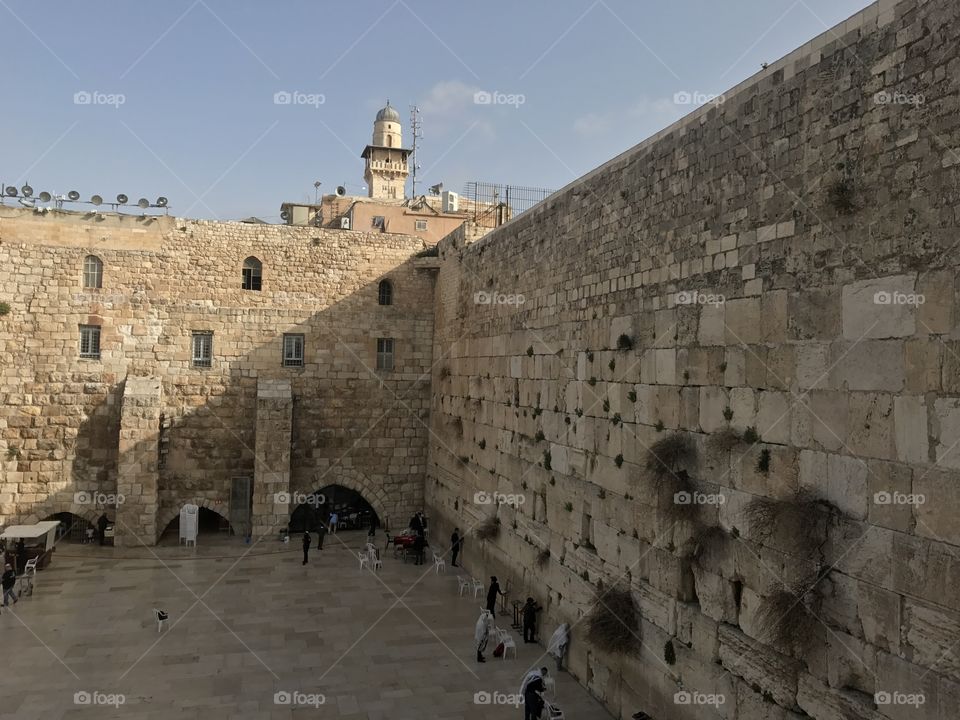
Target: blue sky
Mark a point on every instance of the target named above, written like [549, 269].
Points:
[199, 124]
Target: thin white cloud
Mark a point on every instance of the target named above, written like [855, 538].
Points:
[449, 97]
[648, 110]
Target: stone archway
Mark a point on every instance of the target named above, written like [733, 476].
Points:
[171, 513]
[358, 482]
[53, 506]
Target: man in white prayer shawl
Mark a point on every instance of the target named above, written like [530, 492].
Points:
[558, 643]
[481, 633]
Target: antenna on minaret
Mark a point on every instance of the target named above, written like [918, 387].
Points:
[416, 127]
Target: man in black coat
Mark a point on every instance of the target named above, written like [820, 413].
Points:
[492, 593]
[533, 696]
[530, 610]
[456, 542]
[306, 546]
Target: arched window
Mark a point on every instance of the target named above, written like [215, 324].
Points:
[252, 274]
[385, 293]
[92, 272]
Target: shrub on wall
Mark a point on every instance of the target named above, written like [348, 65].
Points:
[613, 624]
[489, 528]
[624, 342]
[543, 557]
[4, 308]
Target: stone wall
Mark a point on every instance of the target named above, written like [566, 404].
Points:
[164, 278]
[722, 368]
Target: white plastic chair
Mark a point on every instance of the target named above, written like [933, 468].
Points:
[553, 712]
[463, 583]
[29, 577]
[162, 617]
[374, 557]
[477, 587]
[439, 563]
[364, 559]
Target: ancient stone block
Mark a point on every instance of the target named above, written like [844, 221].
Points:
[880, 308]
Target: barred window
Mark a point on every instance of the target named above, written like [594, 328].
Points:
[293, 350]
[202, 349]
[92, 272]
[421, 225]
[90, 341]
[384, 353]
[385, 293]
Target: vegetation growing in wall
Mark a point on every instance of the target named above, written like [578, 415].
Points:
[482, 443]
[606, 406]
[13, 453]
[726, 439]
[543, 557]
[4, 308]
[592, 381]
[568, 506]
[489, 528]
[546, 460]
[632, 396]
[613, 624]
[667, 453]
[444, 372]
[589, 355]
[727, 414]
[750, 435]
[539, 437]
[530, 351]
[763, 462]
[624, 343]
[659, 426]
[618, 460]
[786, 617]
[612, 365]
[801, 521]
[840, 196]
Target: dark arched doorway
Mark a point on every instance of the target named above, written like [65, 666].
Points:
[74, 528]
[353, 512]
[209, 523]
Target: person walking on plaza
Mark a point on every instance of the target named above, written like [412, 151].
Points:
[8, 580]
[21, 555]
[306, 546]
[321, 533]
[333, 523]
[530, 610]
[455, 542]
[481, 633]
[418, 544]
[492, 593]
[102, 528]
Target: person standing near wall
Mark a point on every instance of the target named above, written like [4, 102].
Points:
[321, 533]
[492, 596]
[481, 633]
[9, 580]
[530, 610]
[455, 542]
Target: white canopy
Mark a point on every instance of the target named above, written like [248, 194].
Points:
[30, 531]
[27, 532]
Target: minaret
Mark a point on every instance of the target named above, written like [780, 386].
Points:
[386, 168]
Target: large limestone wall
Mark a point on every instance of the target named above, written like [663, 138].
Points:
[163, 279]
[803, 215]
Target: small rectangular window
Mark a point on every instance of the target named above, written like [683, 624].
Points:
[202, 349]
[90, 341]
[293, 350]
[384, 353]
[378, 221]
[421, 224]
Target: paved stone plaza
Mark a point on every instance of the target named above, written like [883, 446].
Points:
[247, 622]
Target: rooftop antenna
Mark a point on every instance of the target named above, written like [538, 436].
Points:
[316, 192]
[416, 127]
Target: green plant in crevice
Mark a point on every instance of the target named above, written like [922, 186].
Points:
[546, 459]
[750, 435]
[606, 406]
[612, 365]
[727, 414]
[624, 342]
[659, 426]
[539, 437]
[530, 351]
[568, 506]
[592, 381]
[632, 396]
[763, 462]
